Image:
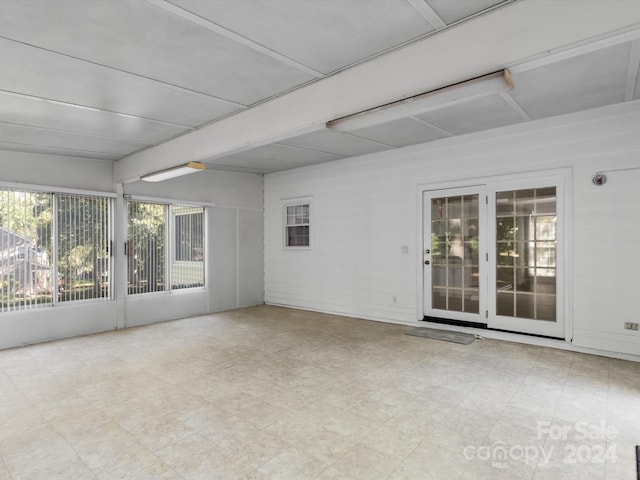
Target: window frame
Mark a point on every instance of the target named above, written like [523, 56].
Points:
[297, 202]
[54, 257]
[170, 243]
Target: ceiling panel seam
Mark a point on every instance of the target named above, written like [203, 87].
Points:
[52, 147]
[131, 142]
[632, 70]
[144, 77]
[506, 96]
[432, 125]
[309, 149]
[353, 135]
[570, 51]
[428, 13]
[95, 109]
[214, 27]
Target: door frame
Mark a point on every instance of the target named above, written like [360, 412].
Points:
[562, 177]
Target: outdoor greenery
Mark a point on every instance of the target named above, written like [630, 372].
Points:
[82, 256]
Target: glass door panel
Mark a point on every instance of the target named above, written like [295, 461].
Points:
[526, 251]
[452, 254]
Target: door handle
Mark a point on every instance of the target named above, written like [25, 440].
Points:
[427, 262]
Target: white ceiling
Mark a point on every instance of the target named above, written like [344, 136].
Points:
[102, 79]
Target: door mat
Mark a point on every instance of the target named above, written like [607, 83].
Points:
[446, 335]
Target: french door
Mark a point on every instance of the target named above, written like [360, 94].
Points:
[454, 239]
[492, 255]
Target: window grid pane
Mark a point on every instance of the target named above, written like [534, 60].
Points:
[454, 253]
[526, 253]
[297, 225]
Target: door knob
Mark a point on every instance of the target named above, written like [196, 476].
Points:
[427, 251]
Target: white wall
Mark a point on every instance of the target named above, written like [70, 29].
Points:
[365, 209]
[234, 250]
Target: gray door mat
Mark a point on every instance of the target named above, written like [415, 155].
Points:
[446, 335]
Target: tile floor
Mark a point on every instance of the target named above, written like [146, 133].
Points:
[272, 393]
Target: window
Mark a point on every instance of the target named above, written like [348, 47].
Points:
[165, 247]
[53, 248]
[187, 266]
[145, 247]
[297, 225]
[83, 238]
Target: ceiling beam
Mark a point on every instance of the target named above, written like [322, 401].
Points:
[214, 27]
[484, 44]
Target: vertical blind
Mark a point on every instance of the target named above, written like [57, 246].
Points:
[165, 247]
[53, 248]
[146, 247]
[83, 234]
[187, 265]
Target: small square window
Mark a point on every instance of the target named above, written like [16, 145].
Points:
[297, 225]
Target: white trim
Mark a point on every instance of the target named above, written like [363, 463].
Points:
[49, 189]
[294, 202]
[237, 258]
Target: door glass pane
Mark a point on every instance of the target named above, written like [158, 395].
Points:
[526, 253]
[504, 204]
[454, 253]
[504, 303]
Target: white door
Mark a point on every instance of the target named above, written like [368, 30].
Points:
[527, 252]
[493, 255]
[454, 239]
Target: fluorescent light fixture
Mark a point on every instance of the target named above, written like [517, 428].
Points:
[479, 87]
[173, 172]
